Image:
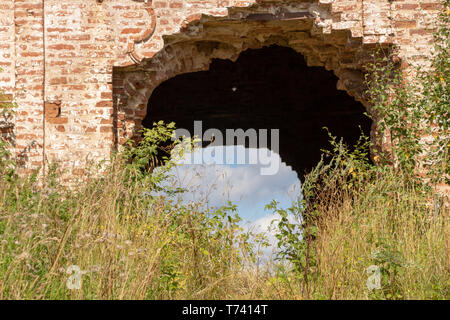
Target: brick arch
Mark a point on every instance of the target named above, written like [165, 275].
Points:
[206, 38]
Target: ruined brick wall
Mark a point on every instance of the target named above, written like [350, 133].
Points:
[22, 57]
[82, 71]
[7, 52]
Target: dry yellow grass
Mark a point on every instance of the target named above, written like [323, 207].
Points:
[129, 245]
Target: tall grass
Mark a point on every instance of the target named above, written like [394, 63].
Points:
[129, 244]
[368, 232]
[362, 222]
[389, 225]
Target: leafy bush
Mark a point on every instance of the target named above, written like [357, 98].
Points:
[355, 216]
[410, 110]
[124, 240]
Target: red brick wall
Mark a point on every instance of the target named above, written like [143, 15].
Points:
[7, 52]
[7, 49]
[29, 81]
[64, 74]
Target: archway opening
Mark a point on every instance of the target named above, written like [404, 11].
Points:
[267, 88]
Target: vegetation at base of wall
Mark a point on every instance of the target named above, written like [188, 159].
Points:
[110, 238]
[363, 231]
[363, 220]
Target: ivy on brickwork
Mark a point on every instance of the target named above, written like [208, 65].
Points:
[7, 112]
[436, 94]
[414, 113]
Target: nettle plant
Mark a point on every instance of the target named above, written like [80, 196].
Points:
[412, 111]
[342, 171]
[159, 148]
[435, 98]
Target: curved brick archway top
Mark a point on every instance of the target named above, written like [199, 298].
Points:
[305, 27]
[267, 88]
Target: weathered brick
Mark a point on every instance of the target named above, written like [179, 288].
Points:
[87, 43]
[52, 109]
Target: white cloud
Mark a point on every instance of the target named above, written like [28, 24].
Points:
[244, 185]
[214, 185]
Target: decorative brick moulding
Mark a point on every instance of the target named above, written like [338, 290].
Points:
[82, 71]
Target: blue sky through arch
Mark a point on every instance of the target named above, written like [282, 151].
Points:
[243, 184]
